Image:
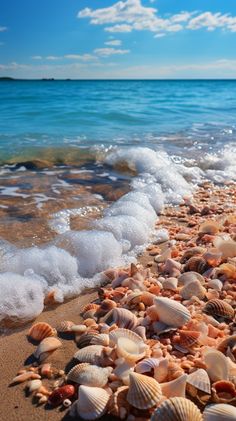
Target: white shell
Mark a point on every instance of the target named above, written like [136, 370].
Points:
[147, 365]
[219, 412]
[94, 354]
[200, 380]
[215, 284]
[34, 385]
[171, 312]
[170, 283]
[130, 350]
[122, 317]
[175, 387]
[114, 335]
[217, 365]
[122, 371]
[187, 277]
[46, 346]
[89, 375]
[193, 288]
[177, 409]
[92, 402]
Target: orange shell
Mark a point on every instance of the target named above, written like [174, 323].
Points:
[40, 331]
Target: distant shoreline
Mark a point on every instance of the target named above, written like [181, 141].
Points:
[12, 79]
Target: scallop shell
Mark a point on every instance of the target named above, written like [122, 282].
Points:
[170, 283]
[86, 339]
[193, 289]
[188, 338]
[219, 308]
[105, 307]
[122, 317]
[114, 335]
[118, 405]
[95, 354]
[219, 412]
[175, 387]
[171, 312]
[89, 375]
[45, 347]
[89, 306]
[226, 247]
[216, 365]
[130, 350]
[147, 365]
[187, 277]
[177, 409]
[215, 284]
[196, 264]
[40, 331]
[92, 402]
[200, 380]
[64, 326]
[144, 392]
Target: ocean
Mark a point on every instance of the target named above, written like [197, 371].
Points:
[86, 166]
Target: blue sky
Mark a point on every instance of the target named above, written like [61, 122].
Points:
[118, 39]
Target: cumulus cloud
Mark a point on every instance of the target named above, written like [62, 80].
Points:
[3, 28]
[211, 21]
[105, 52]
[114, 42]
[83, 57]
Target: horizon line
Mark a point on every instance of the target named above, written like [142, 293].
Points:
[52, 79]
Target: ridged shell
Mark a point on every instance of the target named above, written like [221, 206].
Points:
[200, 380]
[130, 350]
[219, 308]
[193, 288]
[175, 387]
[141, 331]
[196, 264]
[89, 375]
[171, 312]
[209, 227]
[86, 339]
[92, 402]
[114, 335]
[188, 338]
[193, 251]
[144, 392]
[95, 354]
[170, 283]
[64, 326]
[187, 277]
[88, 307]
[118, 404]
[147, 365]
[216, 365]
[219, 412]
[46, 346]
[122, 317]
[177, 409]
[40, 331]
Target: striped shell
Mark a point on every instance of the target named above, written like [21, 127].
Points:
[147, 365]
[216, 365]
[89, 375]
[219, 412]
[219, 308]
[144, 392]
[188, 338]
[175, 387]
[92, 402]
[199, 379]
[193, 251]
[193, 288]
[88, 338]
[64, 326]
[122, 318]
[187, 277]
[95, 354]
[45, 347]
[88, 307]
[177, 409]
[40, 331]
[196, 264]
[171, 312]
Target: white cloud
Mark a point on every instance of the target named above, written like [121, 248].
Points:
[129, 15]
[83, 57]
[3, 28]
[159, 35]
[114, 42]
[37, 57]
[105, 52]
[53, 58]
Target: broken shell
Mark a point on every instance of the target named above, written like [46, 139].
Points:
[229, 342]
[171, 312]
[161, 372]
[144, 392]
[89, 375]
[219, 308]
[216, 365]
[40, 331]
[177, 409]
[122, 371]
[92, 402]
[199, 379]
[227, 269]
[175, 387]
[45, 347]
[118, 404]
[219, 412]
[95, 354]
[66, 403]
[59, 395]
[28, 375]
[212, 257]
[193, 289]
[188, 338]
[122, 317]
[223, 391]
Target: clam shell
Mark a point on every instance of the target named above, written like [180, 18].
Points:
[95, 354]
[130, 350]
[200, 380]
[64, 326]
[87, 339]
[215, 284]
[89, 375]
[92, 402]
[147, 365]
[40, 331]
[171, 312]
[144, 392]
[216, 365]
[122, 317]
[175, 387]
[177, 409]
[219, 308]
[193, 251]
[45, 347]
[114, 335]
[193, 288]
[219, 412]
[187, 277]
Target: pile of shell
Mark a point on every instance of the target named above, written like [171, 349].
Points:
[159, 347]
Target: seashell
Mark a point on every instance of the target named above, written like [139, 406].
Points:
[229, 342]
[226, 247]
[209, 227]
[227, 269]
[216, 365]
[133, 298]
[78, 329]
[223, 391]
[40, 331]
[105, 307]
[161, 372]
[144, 392]
[141, 331]
[196, 264]
[92, 402]
[118, 405]
[86, 339]
[89, 375]
[60, 394]
[187, 277]
[172, 268]
[95, 354]
[188, 338]
[64, 326]
[114, 335]
[177, 409]
[166, 254]
[147, 365]
[174, 371]
[130, 350]
[147, 298]
[194, 251]
[152, 313]
[170, 283]
[193, 289]
[122, 371]
[133, 284]
[219, 412]
[171, 312]
[34, 385]
[45, 347]
[199, 379]
[122, 317]
[175, 387]
[46, 370]
[212, 294]
[90, 314]
[215, 284]
[101, 339]
[28, 375]
[212, 256]
[89, 306]
[219, 308]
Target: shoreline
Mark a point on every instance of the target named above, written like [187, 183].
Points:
[182, 223]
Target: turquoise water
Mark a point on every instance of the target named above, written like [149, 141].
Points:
[176, 114]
